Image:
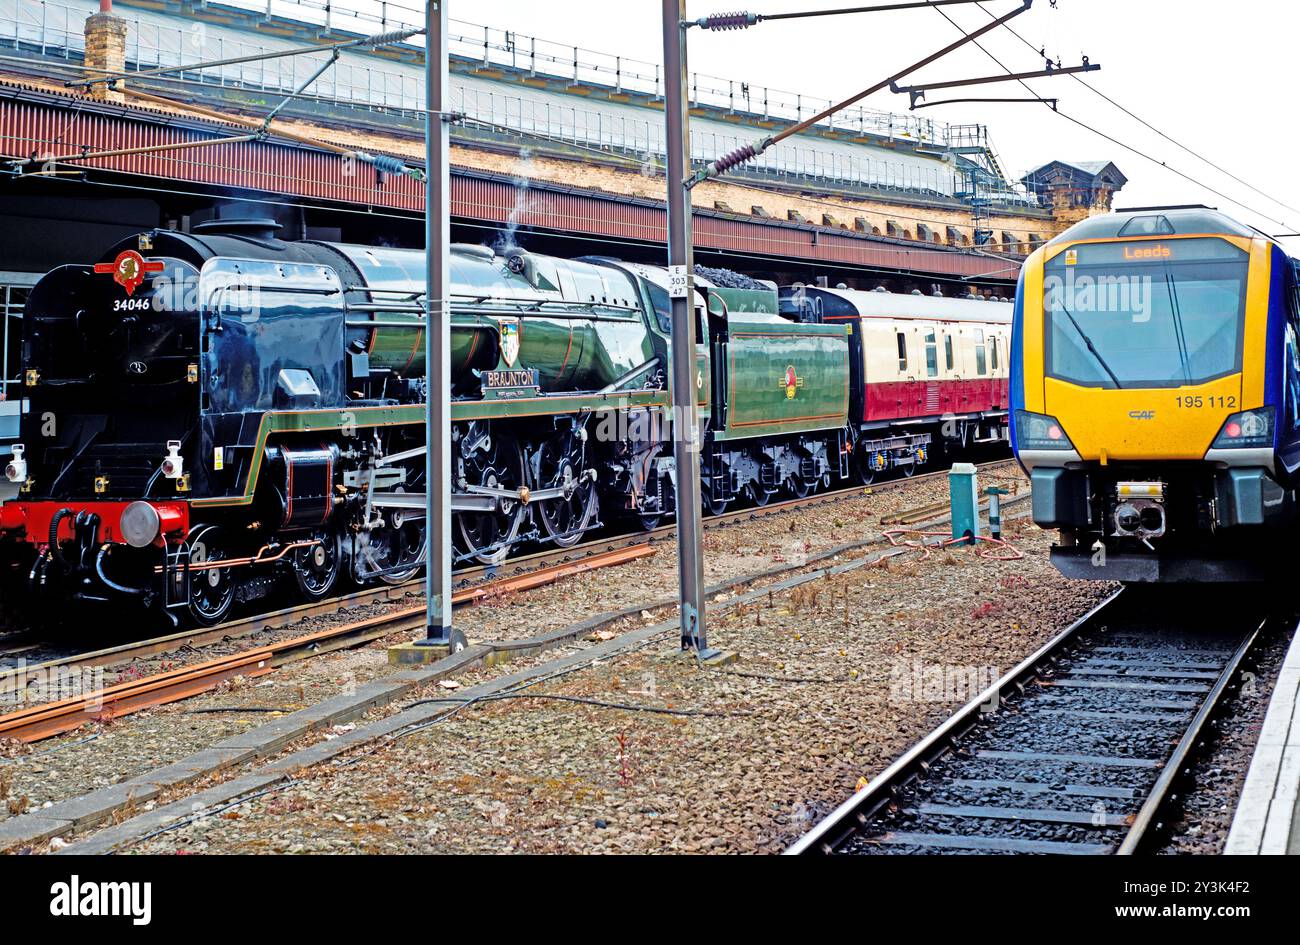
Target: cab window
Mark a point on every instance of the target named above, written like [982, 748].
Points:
[663, 307]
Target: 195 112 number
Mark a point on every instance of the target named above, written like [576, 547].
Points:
[1228, 403]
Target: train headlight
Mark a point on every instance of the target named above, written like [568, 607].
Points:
[141, 525]
[1037, 431]
[1249, 429]
[16, 470]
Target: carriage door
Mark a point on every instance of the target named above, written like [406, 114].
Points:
[930, 339]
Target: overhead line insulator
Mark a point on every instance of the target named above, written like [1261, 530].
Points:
[728, 21]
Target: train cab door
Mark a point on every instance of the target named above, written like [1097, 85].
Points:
[1289, 422]
[717, 336]
[704, 386]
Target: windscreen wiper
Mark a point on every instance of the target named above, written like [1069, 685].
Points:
[1091, 347]
[1179, 335]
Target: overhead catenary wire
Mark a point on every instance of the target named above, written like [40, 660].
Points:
[381, 39]
[742, 20]
[750, 151]
[1172, 140]
[1115, 141]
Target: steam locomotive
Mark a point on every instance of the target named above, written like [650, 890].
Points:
[214, 414]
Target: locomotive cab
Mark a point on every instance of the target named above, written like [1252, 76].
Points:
[1153, 393]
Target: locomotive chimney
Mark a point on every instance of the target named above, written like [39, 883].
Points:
[105, 51]
[521, 263]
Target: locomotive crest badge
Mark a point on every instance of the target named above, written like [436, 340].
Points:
[791, 382]
[509, 341]
[510, 380]
[129, 269]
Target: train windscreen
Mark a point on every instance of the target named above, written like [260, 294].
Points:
[1157, 313]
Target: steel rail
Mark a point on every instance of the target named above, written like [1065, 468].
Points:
[45, 720]
[856, 812]
[467, 578]
[1145, 819]
[843, 822]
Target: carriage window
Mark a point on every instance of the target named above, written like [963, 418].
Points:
[993, 351]
[902, 351]
[981, 366]
[947, 350]
[931, 355]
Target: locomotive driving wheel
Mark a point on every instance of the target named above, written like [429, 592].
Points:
[394, 553]
[491, 462]
[211, 588]
[316, 568]
[561, 463]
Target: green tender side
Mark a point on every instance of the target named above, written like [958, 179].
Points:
[784, 377]
[740, 301]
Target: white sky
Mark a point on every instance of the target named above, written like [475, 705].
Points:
[1210, 74]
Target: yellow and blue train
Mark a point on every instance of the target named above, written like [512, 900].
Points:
[1155, 385]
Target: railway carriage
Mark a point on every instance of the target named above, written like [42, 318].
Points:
[1156, 392]
[927, 372]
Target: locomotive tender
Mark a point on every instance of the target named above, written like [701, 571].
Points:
[1156, 392]
[212, 414]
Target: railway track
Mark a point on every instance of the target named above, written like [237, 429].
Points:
[58, 715]
[21, 641]
[63, 704]
[1078, 750]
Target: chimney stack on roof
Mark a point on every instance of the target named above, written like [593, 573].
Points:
[105, 51]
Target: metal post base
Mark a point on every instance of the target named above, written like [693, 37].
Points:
[449, 637]
[709, 657]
